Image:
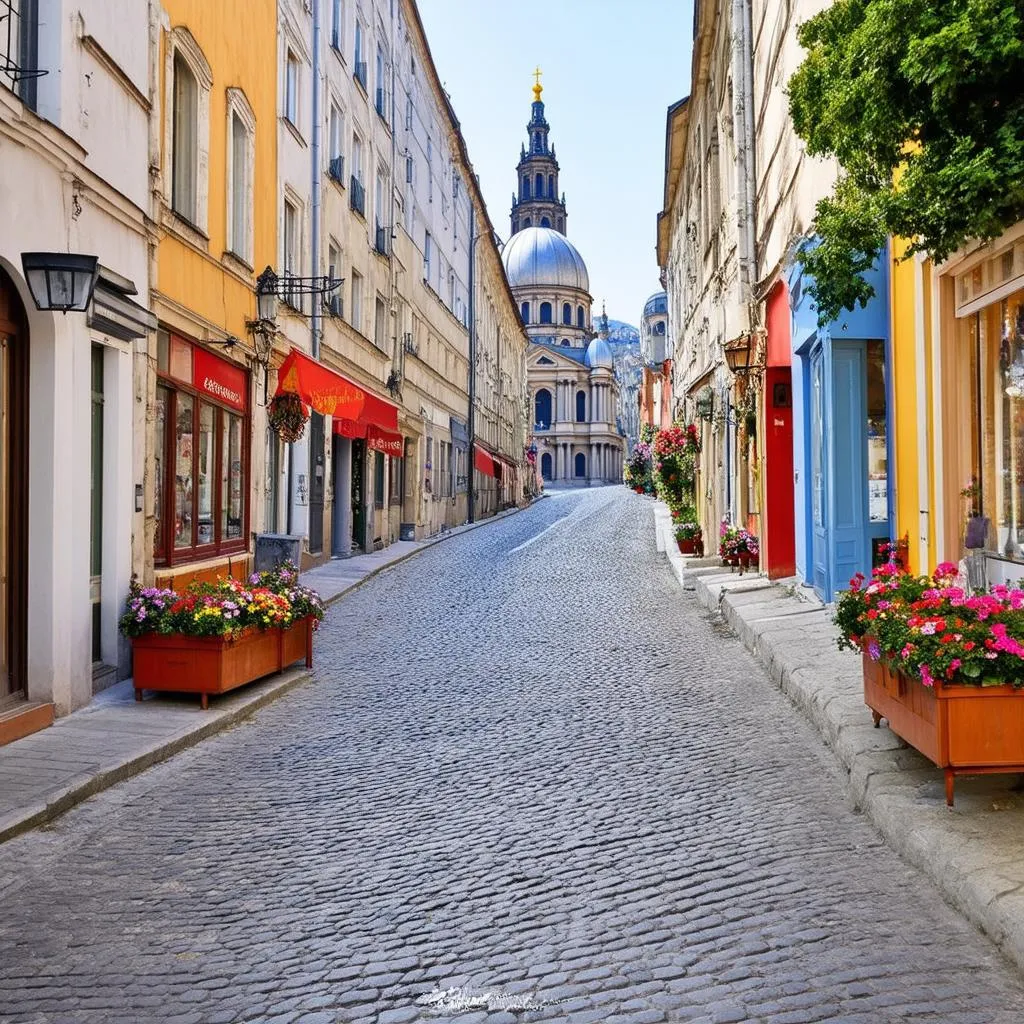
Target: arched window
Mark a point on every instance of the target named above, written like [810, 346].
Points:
[580, 465]
[566, 343]
[539, 183]
[567, 314]
[526, 187]
[545, 312]
[551, 185]
[542, 409]
[579, 317]
[545, 222]
[545, 465]
[524, 311]
[581, 407]
[659, 327]
[527, 222]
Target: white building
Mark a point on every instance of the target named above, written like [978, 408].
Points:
[74, 144]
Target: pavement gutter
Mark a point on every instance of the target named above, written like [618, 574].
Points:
[974, 851]
[242, 704]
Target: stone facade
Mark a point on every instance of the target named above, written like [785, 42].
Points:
[705, 251]
[74, 126]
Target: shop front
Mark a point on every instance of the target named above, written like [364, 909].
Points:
[842, 424]
[201, 463]
[980, 433]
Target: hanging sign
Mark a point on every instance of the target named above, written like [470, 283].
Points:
[220, 379]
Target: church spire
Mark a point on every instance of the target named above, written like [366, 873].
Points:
[536, 202]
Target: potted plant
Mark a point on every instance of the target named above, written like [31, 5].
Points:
[286, 415]
[942, 664]
[215, 637]
[687, 534]
[728, 544]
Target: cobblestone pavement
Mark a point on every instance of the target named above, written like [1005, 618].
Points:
[530, 783]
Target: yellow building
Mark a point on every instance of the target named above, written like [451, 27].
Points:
[912, 363]
[213, 153]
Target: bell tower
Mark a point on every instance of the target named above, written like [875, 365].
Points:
[536, 202]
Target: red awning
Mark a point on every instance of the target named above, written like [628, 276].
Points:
[486, 463]
[331, 394]
[384, 441]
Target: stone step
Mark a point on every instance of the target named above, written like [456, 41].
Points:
[23, 719]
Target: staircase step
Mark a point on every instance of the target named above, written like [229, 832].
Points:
[23, 719]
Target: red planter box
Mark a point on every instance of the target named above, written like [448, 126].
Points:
[964, 730]
[687, 546]
[211, 664]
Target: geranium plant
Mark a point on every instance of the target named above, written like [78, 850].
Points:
[687, 530]
[226, 608]
[932, 627]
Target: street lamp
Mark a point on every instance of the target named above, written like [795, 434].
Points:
[266, 295]
[60, 281]
[738, 353]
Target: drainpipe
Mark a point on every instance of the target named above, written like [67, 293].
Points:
[317, 181]
[471, 471]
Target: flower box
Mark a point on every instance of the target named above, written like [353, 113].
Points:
[687, 545]
[210, 665]
[964, 730]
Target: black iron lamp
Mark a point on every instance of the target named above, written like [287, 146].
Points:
[738, 353]
[266, 295]
[60, 281]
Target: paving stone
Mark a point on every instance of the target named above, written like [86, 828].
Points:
[528, 783]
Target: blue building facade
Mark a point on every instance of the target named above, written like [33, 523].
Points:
[842, 435]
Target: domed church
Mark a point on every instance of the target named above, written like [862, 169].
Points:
[570, 370]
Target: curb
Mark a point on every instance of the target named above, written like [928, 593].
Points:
[430, 542]
[79, 790]
[972, 857]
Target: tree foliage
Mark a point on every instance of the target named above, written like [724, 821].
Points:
[921, 102]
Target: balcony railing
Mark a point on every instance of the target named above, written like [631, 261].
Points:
[357, 196]
[336, 170]
[359, 74]
[381, 240]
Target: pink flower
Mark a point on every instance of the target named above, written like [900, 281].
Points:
[926, 676]
[944, 570]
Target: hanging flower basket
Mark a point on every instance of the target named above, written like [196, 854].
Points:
[287, 416]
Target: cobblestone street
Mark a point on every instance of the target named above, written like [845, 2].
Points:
[529, 782]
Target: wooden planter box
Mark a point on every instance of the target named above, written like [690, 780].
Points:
[211, 664]
[965, 730]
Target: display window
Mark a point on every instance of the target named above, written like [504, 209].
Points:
[201, 453]
[994, 497]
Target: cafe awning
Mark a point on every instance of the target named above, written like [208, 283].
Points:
[329, 393]
[486, 463]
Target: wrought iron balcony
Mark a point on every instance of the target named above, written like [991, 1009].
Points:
[336, 170]
[357, 196]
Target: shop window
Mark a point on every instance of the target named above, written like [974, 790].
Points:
[996, 336]
[201, 454]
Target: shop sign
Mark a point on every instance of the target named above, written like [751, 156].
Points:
[219, 379]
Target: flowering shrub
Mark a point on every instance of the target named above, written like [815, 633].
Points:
[225, 608]
[638, 468]
[687, 530]
[930, 628]
[675, 452]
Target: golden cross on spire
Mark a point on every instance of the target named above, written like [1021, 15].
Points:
[537, 87]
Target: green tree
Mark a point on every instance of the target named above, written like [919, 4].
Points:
[921, 102]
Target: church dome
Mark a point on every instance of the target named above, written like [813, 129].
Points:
[657, 303]
[599, 355]
[543, 257]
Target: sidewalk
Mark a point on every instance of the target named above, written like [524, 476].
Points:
[113, 738]
[973, 851]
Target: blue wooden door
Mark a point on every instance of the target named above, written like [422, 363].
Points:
[818, 451]
[847, 468]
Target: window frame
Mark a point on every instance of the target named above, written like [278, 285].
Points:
[239, 110]
[292, 92]
[182, 44]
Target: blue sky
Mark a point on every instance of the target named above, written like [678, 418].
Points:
[611, 69]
